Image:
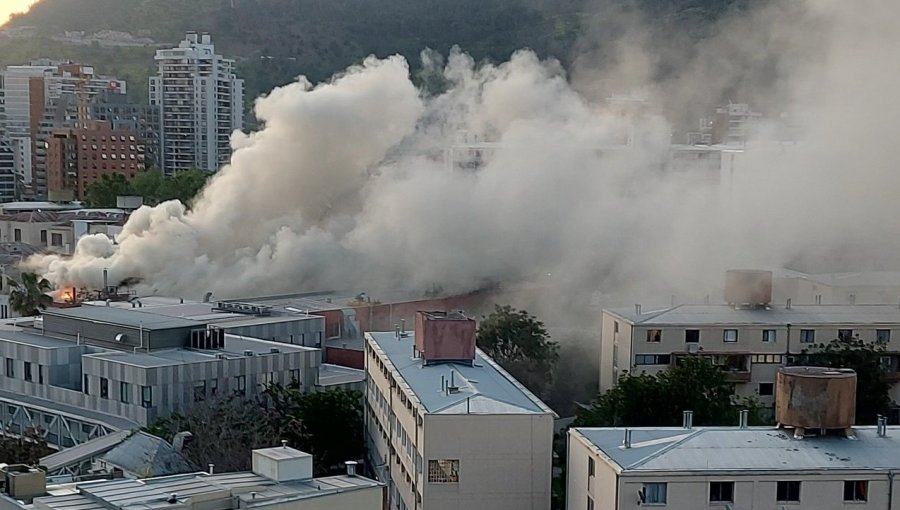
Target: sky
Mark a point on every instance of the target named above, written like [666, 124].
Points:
[9, 7]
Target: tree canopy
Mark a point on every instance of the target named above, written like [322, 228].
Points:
[518, 341]
[29, 297]
[150, 184]
[872, 388]
[326, 424]
[27, 448]
[643, 400]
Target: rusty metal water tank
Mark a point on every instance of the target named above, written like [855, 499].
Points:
[815, 398]
[748, 287]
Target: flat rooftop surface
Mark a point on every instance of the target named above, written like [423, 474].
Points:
[234, 348]
[153, 492]
[33, 339]
[751, 449]
[334, 375]
[484, 388]
[125, 317]
[797, 315]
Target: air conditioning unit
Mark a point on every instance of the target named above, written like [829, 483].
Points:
[693, 348]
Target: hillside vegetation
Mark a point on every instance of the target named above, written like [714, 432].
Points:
[276, 40]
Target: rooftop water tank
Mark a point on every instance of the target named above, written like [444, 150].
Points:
[816, 398]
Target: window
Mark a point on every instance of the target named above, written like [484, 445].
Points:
[654, 335]
[721, 492]
[807, 336]
[84, 386]
[845, 334]
[767, 358]
[10, 367]
[295, 376]
[768, 336]
[766, 389]
[56, 239]
[241, 384]
[44, 237]
[199, 391]
[125, 392]
[590, 503]
[104, 387]
[213, 387]
[654, 494]
[883, 335]
[653, 359]
[590, 467]
[729, 336]
[443, 471]
[788, 492]
[615, 326]
[146, 397]
[28, 376]
[17, 235]
[856, 490]
[268, 378]
[40, 374]
[691, 336]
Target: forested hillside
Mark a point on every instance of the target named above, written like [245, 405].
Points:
[276, 40]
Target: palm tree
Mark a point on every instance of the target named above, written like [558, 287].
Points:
[30, 297]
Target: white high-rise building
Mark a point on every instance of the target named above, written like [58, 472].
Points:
[200, 103]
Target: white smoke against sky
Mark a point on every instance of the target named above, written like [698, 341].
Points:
[345, 185]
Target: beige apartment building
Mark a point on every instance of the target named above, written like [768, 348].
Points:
[749, 343]
[732, 468]
[448, 428]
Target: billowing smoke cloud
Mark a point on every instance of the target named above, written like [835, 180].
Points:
[347, 184]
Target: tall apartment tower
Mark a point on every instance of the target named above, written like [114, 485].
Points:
[200, 102]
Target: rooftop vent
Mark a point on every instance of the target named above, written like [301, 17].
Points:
[282, 464]
[445, 336]
[248, 353]
[274, 350]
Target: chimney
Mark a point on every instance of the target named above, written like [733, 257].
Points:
[745, 419]
[402, 327]
[212, 469]
[397, 331]
[284, 443]
[351, 467]
[637, 309]
[881, 426]
[627, 441]
[688, 420]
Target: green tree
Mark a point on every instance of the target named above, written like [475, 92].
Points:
[183, 186]
[147, 184]
[643, 400]
[28, 448]
[103, 193]
[29, 297]
[518, 341]
[224, 430]
[327, 424]
[872, 388]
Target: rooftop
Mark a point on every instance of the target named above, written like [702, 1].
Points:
[484, 387]
[751, 449]
[687, 315]
[335, 375]
[122, 317]
[154, 492]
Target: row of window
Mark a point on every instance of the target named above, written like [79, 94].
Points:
[855, 491]
[31, 372]
[807, 336]
[112, 138]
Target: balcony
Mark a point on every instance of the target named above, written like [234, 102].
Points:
[737, 376]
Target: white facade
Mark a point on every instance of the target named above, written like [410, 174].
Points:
[731, 468]
[749, 344]
[200, 103]
[485, 442]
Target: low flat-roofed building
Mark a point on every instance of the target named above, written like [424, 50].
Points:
[749, 343]
[731, 467]
[78, 373]
[281, 479]
[449, 428]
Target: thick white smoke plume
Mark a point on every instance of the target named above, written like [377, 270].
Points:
[347, 184]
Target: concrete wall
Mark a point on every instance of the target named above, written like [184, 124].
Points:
[504, 461]
[306, 331]
[104, 335]
[615, 349]
[600, 488]
[356, 499]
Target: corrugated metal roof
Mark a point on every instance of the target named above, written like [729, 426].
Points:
[145, 455]
[84, 451]
[484, 379]
[735, 449]
[797, 315]
[130, 318]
